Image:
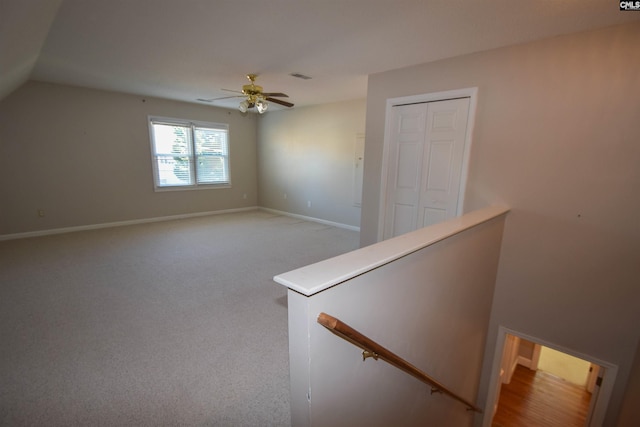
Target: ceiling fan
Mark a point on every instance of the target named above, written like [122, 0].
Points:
[254, 97]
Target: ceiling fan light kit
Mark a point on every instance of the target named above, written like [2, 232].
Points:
[261, 106]
[255, 97]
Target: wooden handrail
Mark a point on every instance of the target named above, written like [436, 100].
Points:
[375, 350]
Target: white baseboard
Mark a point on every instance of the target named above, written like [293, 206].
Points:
[312, 219]
[118, 224]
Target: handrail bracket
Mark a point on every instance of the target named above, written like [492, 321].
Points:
[366, 354]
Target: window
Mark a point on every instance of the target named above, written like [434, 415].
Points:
[188, 155]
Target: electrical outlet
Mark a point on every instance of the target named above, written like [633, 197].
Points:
[285, 196]
[308, 203]
[41, 213]
[244, 196]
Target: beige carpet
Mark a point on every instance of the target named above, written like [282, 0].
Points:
[162, 324]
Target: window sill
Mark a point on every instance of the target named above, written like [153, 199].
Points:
[191, 187]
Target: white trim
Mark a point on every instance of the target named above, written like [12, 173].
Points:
[472, 94]
[606, 388]
[52, 231]
[192, 188]
[118, 224]
[315, 278]
[312, 219]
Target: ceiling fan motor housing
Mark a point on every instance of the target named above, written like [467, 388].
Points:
[251, 89]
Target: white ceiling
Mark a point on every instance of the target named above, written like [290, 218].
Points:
[189, 49]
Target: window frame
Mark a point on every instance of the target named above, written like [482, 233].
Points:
[191, 125]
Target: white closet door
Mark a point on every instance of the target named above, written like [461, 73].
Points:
[425, 164]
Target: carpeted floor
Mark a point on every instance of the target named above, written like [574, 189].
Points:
[161, 324]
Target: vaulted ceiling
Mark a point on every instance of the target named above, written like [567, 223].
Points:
[190, 49]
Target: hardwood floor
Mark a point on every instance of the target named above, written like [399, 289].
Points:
[539, 399]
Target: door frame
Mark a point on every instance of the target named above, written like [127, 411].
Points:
[472, 94]
[599, 408]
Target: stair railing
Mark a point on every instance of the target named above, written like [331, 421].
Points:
[376, 351]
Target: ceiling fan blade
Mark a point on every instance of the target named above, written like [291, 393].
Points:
[277, 94]
[231, 90]
[278, 101]
[217, 99]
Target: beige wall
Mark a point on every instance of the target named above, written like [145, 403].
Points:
[556, 138]
[308, 153]
[420, 306]
[84, 157]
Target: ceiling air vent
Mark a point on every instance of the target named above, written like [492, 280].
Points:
[300, 76]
